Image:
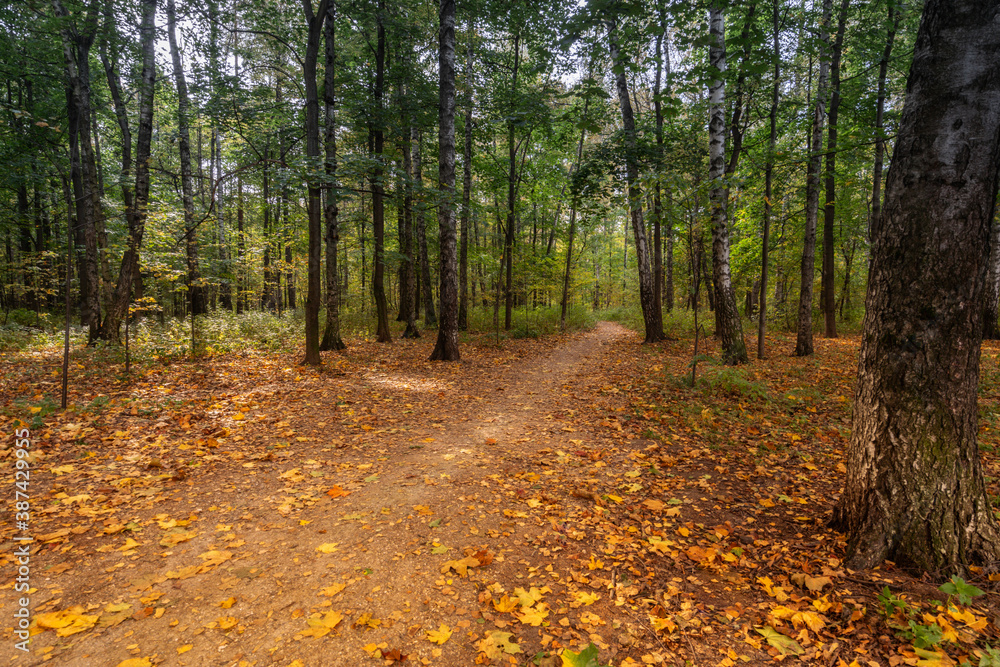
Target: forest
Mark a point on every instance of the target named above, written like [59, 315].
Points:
[717, 282]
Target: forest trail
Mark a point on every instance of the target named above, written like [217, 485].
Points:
[537, 498]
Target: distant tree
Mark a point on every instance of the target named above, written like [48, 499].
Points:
[914, 491]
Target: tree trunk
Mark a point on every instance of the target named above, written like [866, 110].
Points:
[446, 347]
[463, 252]
[991, 290]
[883, 68]
[408, 292]
[804, 335]
[331, 332]
[382, 334]
[426, 294]
[765, 247]
[76, 45]
[314, 22]
[135, 203]
[728, 326]
[914, 491]
[195, 291]
[651, 309]
[827, 296]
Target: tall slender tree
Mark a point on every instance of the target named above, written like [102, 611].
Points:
[446, 347]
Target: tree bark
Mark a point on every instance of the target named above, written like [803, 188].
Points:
[76, 45]
[508, 244]
[463, 252]
[408, 286]
[991, 291]
[135, 202]
[914, 491]
[728, 326]
[426, 294]
[331, 332]
[382, 333]
[765, 246]
[883, 68]
[804, 335]
[827, 296]
[446, 347]
[651, 310]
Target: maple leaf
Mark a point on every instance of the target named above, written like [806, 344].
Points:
[320, 625]
[215, 557]
[66, 622]
[530, 597]
[439, 636]
[505, 604]
[327, 548]
[496, 644]
[136, 662]
[337, 492]
[461, 567]
[585, 599]
[534, 616]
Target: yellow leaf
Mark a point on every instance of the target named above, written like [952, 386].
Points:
[439, 636]
[239, 416]
[136, 662]
[767, 502]
[585, 599]
[662, 624]
[505, 604]
[215, 557]
[595, 564]
[327, 548]
[321, 624]
[226, 604]
[129, 545]
[534, 616]
[531, 596]
[332, 590]
[227, 622]
[460, 566]
[654, 504]
[184, 649]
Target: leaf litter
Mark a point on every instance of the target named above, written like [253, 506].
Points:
[562, 501]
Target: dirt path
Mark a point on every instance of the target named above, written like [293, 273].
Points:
[350, 539]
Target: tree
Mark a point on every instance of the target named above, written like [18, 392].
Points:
[446, 347]
[651, 308]
[728, 326]
[331, 333]
[914, 491]
[804, 333]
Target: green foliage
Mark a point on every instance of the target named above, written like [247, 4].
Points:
[890, 604]
[923, 636]
[585, 658]
[733, 382]
[960, 590]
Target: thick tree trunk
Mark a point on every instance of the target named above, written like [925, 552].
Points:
[914, 491]
[827, 297]
[728, 326]
[446, 347]
[804, 335]
[331, 332]
[651, 309]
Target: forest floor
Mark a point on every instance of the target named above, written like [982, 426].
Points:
[538, 503]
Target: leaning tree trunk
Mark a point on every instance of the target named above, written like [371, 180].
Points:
[804, 335]
[652, 316]
[914, 491]
[446, 347]
[135, 203]
[728, 326]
